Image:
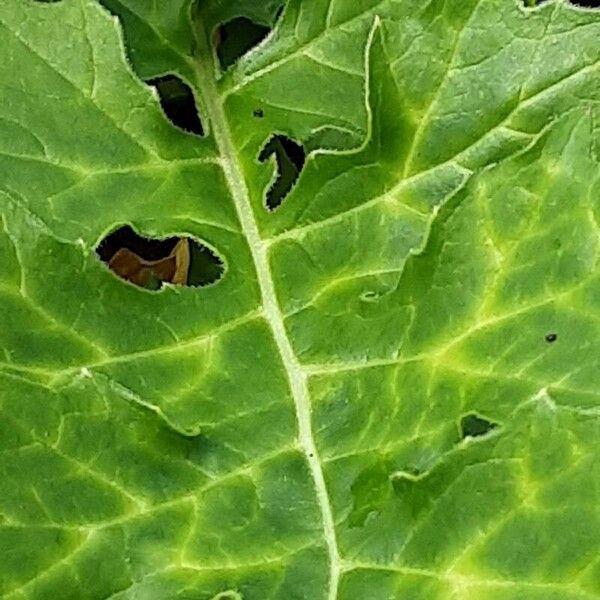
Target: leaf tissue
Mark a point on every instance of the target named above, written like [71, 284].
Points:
[299, 300]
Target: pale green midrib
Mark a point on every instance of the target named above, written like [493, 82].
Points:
[297, 378]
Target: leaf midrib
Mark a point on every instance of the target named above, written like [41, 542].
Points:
[213, 108]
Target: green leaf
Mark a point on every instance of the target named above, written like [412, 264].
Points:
[391, 393]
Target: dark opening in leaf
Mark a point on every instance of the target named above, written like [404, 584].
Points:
[149, 263]
[586, 3]
[580, 3]
[178, 103]
[290, 157]
[258, 113]
[473, 425]
[551, 337]
[233, 39]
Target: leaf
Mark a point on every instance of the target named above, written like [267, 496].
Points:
[392, 390]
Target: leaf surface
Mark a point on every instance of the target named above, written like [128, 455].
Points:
[391, 392]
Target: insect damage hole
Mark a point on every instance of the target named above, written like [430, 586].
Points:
[151, 262]
[551, 337]
[235, 38]
[579, 3]
[290, 157]
[178, 103]
[473, 425]
[585, 3]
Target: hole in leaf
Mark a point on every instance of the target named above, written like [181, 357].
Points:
[148, 263]
[233, 39]
[472, 426]
[551, 337]
[258, 113]
[290, 157]
[580, 3]
[178, 103]
[586, 3]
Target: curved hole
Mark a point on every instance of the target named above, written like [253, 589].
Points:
[150, 262]
[178, 103]
[473, 425]
[290, 157]
[551, 337]
[236, 37]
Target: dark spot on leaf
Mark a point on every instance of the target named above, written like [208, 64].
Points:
[236, 37]
[290, 157]
[472, 426]
[551, 337]
[258, 113]
[150, 262]
[178, 103]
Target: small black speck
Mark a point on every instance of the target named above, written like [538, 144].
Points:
[258, 113]
[551, 337]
